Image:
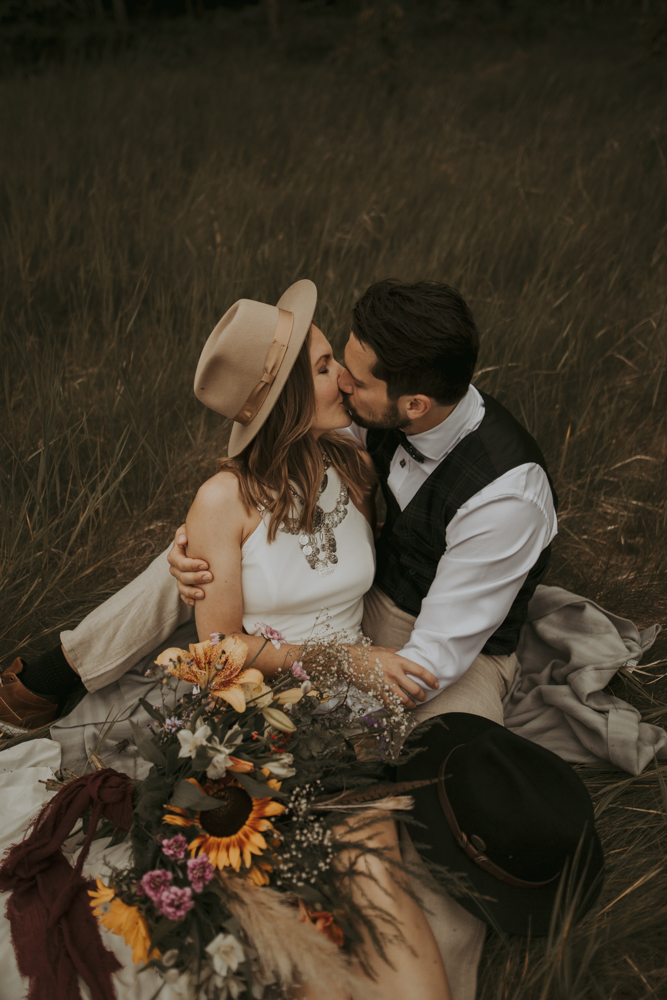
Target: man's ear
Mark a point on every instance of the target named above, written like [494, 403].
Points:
[418, 406]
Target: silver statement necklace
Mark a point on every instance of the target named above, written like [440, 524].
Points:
[319, 548]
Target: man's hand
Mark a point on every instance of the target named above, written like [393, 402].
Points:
[188, 573]
[396, 669]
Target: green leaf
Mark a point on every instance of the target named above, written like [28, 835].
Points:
[171, 754]
[162, 928]
[201, 759]
[151, 801]
[146, 747]
[188, 796]
[258, 789]
[153, 712]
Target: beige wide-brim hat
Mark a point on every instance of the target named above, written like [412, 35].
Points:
[248, 357]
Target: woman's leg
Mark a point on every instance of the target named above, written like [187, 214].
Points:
[416, 968]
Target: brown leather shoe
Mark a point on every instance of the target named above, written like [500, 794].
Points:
[21, 711]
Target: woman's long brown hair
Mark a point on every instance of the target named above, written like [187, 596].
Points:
[284, 451]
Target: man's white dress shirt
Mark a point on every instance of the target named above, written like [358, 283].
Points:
[492, 543]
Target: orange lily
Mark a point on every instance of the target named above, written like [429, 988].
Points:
[215, 667]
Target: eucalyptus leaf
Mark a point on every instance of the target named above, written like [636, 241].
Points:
[144, 744]
[188, 796]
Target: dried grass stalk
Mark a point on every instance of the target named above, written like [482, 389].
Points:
[294, 952]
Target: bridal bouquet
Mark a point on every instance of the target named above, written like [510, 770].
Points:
[235, 877]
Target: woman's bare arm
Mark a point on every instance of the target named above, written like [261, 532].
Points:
[217, 525]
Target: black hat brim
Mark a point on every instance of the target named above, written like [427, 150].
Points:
[511, 909]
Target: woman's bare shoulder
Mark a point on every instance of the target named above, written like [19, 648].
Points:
[218, 491]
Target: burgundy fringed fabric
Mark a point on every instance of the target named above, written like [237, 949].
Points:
[54, 932]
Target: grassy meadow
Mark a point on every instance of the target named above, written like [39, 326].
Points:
[140, 198]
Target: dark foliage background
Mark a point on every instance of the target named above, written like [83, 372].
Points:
[154, 169]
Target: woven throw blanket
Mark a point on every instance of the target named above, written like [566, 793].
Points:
[569, 650]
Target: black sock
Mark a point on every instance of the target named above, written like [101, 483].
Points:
[50, 676]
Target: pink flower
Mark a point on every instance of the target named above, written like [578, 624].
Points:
[155, 882]
[200, 872]
[299, 672]
[217, 637]
[174, 902]
[272, 635]
[175, 847]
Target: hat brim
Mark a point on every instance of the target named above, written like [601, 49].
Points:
[299, 299]
[526, 912]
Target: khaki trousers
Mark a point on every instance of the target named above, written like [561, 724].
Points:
[116, 636]
[460, 935]
[128, 626]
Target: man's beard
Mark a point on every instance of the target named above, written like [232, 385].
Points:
[389, 421]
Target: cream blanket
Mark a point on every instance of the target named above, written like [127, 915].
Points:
[569, 650]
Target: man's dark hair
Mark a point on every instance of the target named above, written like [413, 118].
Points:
[424, 337]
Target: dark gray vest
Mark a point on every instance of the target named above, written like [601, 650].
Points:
[413, 540]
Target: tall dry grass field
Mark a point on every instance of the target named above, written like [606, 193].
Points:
[139, 201]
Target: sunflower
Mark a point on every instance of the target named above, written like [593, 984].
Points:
[259, 873]
[216, 667]
[231, 834]
[124, 920]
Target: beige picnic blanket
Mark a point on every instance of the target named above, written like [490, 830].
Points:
[569, 650]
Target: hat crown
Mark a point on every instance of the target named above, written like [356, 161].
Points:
[248, 357]
[232, 361]
[507, 800]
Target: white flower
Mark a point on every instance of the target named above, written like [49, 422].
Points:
[190, 742]
[272, 635]
[226, 953]
[234, 987]
[178, 986]
[280, 765]
[218, 766]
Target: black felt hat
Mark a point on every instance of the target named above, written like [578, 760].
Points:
[510, 815]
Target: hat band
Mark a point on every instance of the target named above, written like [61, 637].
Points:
[472, 852]
[274, 360]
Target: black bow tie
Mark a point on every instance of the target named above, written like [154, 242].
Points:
[404, 441]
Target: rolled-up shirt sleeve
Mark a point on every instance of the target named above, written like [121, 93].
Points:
[492, 543]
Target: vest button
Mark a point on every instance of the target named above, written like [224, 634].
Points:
[402, 463]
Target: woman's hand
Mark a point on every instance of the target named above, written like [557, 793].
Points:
[188, 573]
[399, 673]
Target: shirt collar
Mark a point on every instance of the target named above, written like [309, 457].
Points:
[466, 416]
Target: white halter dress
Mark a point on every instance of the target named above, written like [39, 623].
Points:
[299, 580]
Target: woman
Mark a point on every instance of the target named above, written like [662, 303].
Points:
[286, 526]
